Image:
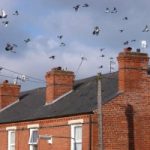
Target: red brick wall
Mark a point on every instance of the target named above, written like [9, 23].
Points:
[55, 127]
[9, 93]
[126, 118]
[58, 83]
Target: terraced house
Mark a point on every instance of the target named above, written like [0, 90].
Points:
[65, 115]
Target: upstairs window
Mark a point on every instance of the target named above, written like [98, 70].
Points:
[76, 135]
[33, 139]
[11, 140]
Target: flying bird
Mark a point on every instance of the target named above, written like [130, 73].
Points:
[107, 10]
[76, 7]
[5, 23]
[125, 18]
[101, 49]
[100, 67]
[102, 55]
[27, 40]
[3, 14]
[10, 47]
[121, 30]
[52, 57]
[146, 29]
[134, 40]
[126, 43]
[114, 10]
[85, 5]
[62, 44]
[60, 36]
[96, 30]
[16, 13]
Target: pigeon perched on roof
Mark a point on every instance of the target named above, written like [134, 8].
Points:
[52, 57]
[10, 47]
[146, 29]
[27, 40]
[16, 13]
[5, 23]
[3, 14]
[85, 5]
[96, 30]
[76, 7]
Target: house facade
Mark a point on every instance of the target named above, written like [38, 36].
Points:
[65, 115]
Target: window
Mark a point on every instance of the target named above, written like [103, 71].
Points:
[11, 140]
[76, 134]
[33, 139]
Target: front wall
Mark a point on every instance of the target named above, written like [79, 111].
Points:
[55, 127]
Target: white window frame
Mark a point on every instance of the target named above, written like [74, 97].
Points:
[35, 143]
[73, 140]
[10, 145]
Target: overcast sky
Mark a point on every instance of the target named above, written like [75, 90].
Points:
[43, 20]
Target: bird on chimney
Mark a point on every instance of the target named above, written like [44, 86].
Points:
[3, 14]
[76, 7]
[85, 5]
[146, 29]
[96, 30]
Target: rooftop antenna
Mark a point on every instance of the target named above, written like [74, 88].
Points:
[111, 63]
[22, 78]
[144, 45]
[82, 60]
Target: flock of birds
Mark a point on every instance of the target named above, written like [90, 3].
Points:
[10, 47]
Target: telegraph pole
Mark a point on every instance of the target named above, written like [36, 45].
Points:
[100, 115]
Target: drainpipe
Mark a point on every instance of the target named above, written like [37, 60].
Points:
[90, 132]
[100, 119]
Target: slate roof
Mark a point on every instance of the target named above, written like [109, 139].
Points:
[82, 100]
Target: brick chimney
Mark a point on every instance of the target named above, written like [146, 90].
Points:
[9, 93]
[133, 68]
[59, 82]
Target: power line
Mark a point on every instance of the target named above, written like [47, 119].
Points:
[18, 73]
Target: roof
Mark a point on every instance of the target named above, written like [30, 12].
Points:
[82, 100]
